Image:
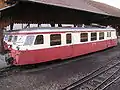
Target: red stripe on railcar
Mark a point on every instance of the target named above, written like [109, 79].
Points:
[63, 52]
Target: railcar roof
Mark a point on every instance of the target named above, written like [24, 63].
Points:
[59, 29]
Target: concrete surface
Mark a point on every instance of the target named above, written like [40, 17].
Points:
[2, 61]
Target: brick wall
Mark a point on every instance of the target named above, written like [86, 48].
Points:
[2, 4]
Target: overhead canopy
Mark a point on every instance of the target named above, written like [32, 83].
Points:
[105, 8]
[73, 4]
[85, 5]
[60, 11]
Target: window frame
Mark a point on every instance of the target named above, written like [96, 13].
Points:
[101, 37]
[82, 38]
[68, 41]
[55, 43]
[93, 38]
[109, 34]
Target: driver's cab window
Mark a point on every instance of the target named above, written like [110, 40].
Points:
[29, 40]
[10, 38]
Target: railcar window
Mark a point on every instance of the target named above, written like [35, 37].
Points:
[101, 35]
[14, 38]
[29, 40]
[83, 37]
[55, 39]
[39, 39]
[68, 38]
[93, 36]
[108, 34]
[10, 38]
[21, 39]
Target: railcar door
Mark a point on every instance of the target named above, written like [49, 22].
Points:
[109, 41]
[68, 49]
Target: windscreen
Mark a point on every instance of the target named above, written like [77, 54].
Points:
[14, 39]
[19, 40]
[29, 40]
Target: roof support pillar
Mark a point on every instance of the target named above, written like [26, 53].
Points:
[1, 41]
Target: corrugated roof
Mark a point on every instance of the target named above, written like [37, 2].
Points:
[106, 8]
[61, 11]
[85, 5]
[73, 4]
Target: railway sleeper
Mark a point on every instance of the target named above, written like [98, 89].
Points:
[93, 83]
[86, 87]
[98, 80]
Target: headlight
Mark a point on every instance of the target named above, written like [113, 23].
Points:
[9, 46]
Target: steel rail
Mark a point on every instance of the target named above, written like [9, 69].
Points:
[110, 83]
[96, 88]
[89, 76]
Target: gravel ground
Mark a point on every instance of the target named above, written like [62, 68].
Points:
[60, 76]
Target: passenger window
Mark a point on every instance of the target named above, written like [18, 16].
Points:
[93, 36]
[84, 37]
[39, 39]
[68, 38]
[101, 35]
[55, 39]
[108, 34]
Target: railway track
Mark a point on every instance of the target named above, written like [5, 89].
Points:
[99, 79]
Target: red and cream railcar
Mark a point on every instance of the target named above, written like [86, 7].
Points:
[37, 45]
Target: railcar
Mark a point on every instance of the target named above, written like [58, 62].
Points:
[36, 45]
